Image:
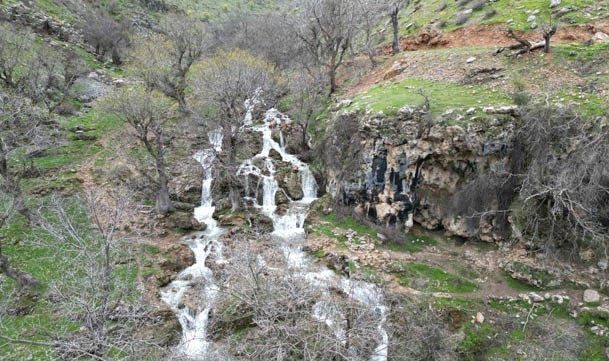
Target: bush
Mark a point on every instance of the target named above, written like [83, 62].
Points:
[564, 195]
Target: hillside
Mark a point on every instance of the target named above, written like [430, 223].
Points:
[255, 180]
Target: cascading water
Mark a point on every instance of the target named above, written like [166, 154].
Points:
[289, 229]
[194, 318]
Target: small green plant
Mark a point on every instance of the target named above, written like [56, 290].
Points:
[476, 341]
[419, 275]
[520, 96]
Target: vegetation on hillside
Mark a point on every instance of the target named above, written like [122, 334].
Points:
[100, 102]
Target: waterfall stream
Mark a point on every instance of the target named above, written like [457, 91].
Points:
[288, 230]
[194, 320]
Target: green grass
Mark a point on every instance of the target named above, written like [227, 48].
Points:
[504, 11]
[391, 96]
[328, 231]
[412, 243]
[422, 276]
[350, 223]
[579, 53]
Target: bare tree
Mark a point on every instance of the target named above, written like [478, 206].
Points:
[15, 49]
[548, 29]
[24, 280]
[147, 113]
[96, 291]
[106, 35]
[307, 99]
[395, 7]
[22, 132]
[565, 187]
[287, 317]
[224, 85]
[327, 28]
[163, 60]
[34, 70]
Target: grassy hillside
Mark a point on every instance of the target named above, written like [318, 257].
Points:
[450, 15]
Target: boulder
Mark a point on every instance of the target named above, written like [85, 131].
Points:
[292, 186]
[179, 219]
[178, 257]
[591, 296]
[600, 38]
[164, 330]
[186, 179]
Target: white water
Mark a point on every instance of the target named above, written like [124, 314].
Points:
[194, 320]
[288, 230]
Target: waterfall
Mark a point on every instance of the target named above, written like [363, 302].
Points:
[194, 320]
[289, 230]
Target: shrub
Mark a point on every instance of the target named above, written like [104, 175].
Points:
[564, 195]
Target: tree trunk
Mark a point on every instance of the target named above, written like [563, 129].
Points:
[234, 189]
[547, 34]
[332, 75]
[546, 45]
[163, 203]
[235, 196]
[396, 30]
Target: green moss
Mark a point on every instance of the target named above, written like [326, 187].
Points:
[418, 275]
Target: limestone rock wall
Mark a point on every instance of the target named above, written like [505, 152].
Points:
[454, 186]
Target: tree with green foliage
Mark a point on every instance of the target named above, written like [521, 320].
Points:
[147, 113]
[225, 87]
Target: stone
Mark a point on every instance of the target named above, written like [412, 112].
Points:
[555, 3]
[179, 219]
[531, 18]
[591, 296]
[471, 111]
[534, 26]
[536, 297]
[602, 264]
[600, 38]
[479, 318]
[396, 69]
[471, 59]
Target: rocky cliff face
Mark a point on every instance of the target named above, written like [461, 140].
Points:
[406, 168]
